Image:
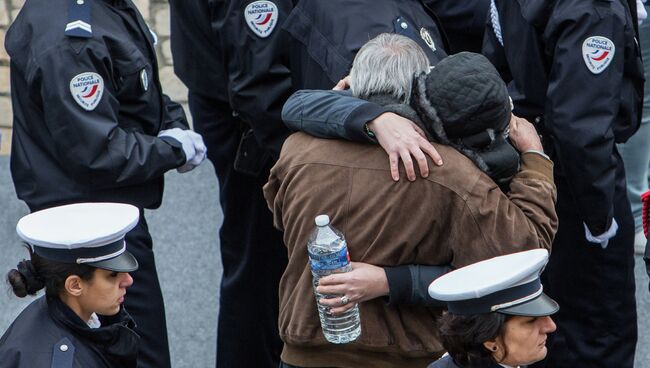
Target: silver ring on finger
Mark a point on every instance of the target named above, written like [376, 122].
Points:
[345, 300]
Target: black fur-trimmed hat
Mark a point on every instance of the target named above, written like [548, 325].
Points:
[463, 102]
[467, 93]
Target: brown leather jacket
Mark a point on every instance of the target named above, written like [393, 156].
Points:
[456, 216]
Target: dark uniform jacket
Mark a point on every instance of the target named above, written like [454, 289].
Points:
[385, 224]
[88, 105]
[447, 362]
[463, 21]
[258, 71]
[49, 334]
[255, 69]
[326, 35]
[583, 99]
[196, 49]
[323, 42]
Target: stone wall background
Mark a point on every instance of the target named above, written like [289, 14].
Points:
[155, 12]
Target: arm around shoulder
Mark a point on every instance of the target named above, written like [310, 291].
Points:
[330, 114]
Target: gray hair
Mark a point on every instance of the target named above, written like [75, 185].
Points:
[386, 65]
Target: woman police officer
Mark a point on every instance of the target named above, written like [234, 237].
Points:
[497, 315]
[78, 254]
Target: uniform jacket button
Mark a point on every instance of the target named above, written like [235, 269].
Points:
[63, 347]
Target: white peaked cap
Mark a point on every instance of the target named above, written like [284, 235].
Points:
[90, 233]
[508, 284]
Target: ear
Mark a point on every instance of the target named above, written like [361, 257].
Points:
[491, 345]
[73, 285]
[496, 347]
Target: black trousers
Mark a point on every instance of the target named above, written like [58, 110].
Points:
[144, 300]
[252, 251]
[597, 324]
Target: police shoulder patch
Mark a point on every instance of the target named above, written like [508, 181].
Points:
[598, 52]
[87, 89]
[261, 17]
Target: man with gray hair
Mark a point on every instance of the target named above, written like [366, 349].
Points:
[386, 223]
[385, 65]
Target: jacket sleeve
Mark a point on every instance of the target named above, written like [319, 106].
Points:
[409, 284]
[330, 114]
[89, 142]
[259, 81]
[174, 115]
[494, 224]
[582, 104]
[15, 352]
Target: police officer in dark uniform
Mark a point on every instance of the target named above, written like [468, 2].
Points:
[91, 124]
[238, 79]
[78, 255]
[576, 72]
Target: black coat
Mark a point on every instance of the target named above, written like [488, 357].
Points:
[254, 69]
[197, 49]
[325, 39]
[463, 21]
[580, 112]
[256, 75]
[49, 334]
[100, 144]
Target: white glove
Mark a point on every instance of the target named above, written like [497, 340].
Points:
[602, 239]
[182, 137]
[200, 149]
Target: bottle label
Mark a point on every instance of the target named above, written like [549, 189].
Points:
[329, 261]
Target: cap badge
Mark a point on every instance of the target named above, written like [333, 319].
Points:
[87, 89]
[598, 53]
[261, 17]
[426, 37]
[144, 80]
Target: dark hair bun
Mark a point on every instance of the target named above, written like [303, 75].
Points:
[25, 280]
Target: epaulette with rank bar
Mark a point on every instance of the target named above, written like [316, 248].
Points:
[79, 19]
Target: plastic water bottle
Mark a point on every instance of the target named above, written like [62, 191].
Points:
[328, 253]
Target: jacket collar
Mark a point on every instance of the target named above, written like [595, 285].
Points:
[115, 339]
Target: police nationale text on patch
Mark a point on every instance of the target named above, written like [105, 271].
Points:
[598, 53]
[261, 17]
[87, 89]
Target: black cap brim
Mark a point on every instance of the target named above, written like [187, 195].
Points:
[125, 262]
[538, 307]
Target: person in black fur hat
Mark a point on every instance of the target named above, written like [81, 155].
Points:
[464, 103]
